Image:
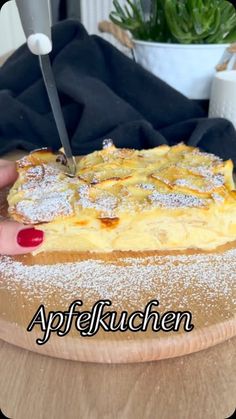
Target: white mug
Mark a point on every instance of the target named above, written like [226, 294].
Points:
[223, 96]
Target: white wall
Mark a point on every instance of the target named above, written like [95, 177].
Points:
[11, 32]
[93, 12]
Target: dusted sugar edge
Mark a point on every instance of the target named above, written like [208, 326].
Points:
[57, 204]
[208, 276]
[172, 200]
[115, 188]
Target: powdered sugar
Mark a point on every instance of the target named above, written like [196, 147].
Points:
[218, 198]
[107, 143]
[146, 186]
[46, 209]
[209, 156]
[168, 278]
[209, 184]
[176, 200]
[105, 203]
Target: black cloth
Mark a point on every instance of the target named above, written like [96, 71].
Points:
[104, 94]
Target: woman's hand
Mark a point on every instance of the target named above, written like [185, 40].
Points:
[15, 238]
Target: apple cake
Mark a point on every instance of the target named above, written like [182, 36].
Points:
[165, 198]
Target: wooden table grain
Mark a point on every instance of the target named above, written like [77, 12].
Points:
[198, 386]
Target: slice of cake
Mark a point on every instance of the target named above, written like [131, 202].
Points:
[163, 198]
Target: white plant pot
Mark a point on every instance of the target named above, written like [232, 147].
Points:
[187, 68]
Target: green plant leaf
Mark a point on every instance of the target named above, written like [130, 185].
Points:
[231, 37]
[183, 21]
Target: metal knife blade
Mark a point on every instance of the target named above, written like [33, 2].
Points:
[54, 100]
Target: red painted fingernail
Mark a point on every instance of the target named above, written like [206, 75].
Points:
[30, 237]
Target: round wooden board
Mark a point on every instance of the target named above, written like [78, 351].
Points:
[180, 281]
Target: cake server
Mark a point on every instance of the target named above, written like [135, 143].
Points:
[36, 22]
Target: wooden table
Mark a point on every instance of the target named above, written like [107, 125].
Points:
[199, 386]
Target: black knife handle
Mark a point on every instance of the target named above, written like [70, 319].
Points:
[2, 2]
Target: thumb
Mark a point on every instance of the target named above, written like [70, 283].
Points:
[8, 173]
[17, 239]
